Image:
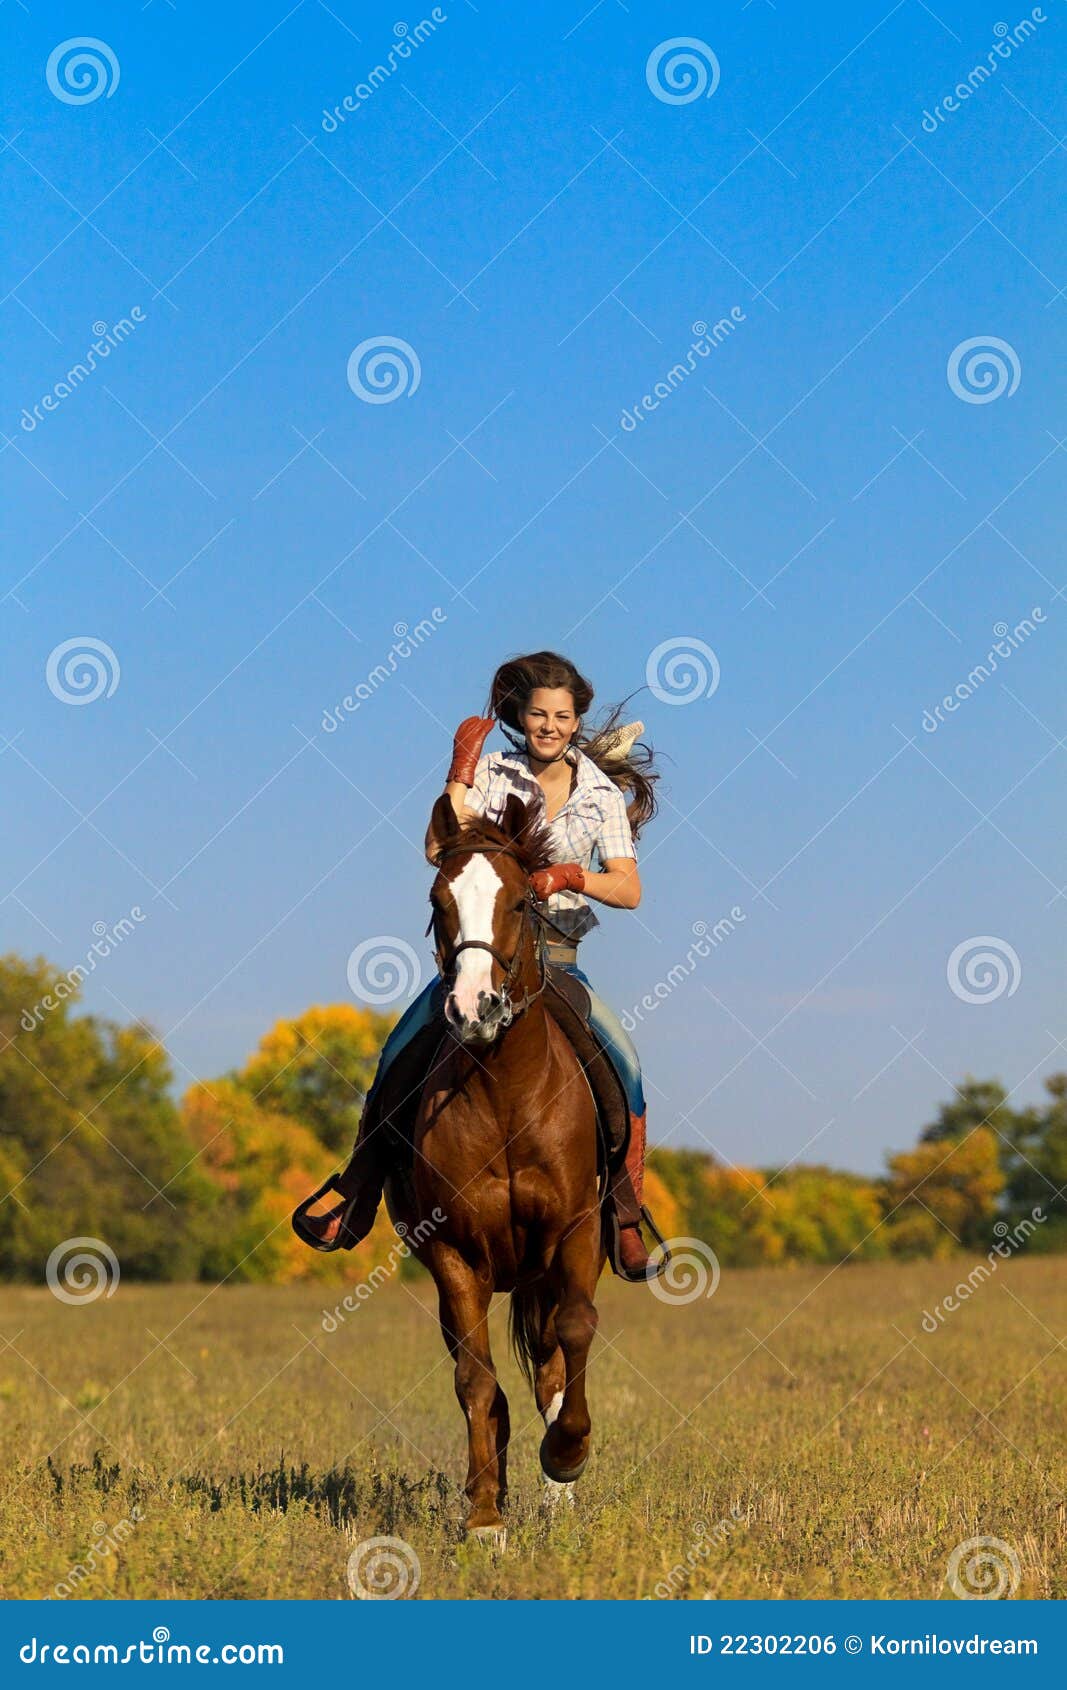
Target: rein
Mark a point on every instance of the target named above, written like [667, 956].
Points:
[512, 1006]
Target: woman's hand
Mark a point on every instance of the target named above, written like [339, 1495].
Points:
[471, 735]
[558, 877]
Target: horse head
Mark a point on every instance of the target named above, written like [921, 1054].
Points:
[482, 908]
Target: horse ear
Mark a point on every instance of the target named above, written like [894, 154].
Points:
[444, 824]
[515, 816]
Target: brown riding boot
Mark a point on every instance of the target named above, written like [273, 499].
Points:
[629, 1258]
[392, 1099]
[360, 1187]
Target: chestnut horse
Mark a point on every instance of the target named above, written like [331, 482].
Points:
[505, 1147]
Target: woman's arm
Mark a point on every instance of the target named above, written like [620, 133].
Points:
[471, 736]
[619, 885]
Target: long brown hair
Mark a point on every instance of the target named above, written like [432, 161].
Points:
[634, 774]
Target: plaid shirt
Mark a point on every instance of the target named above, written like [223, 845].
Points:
[593, 819]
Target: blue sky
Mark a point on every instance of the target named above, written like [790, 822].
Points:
[815, 503]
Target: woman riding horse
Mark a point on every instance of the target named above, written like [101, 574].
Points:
[594, 794]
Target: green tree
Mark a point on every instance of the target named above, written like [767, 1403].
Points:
[944, 1192]
[976, 1103]
[1037, 1175]
[92, 1143]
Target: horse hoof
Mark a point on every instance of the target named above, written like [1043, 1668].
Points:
[561, 1475]
[493, 1538]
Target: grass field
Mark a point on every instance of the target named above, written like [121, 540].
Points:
[248, 1454]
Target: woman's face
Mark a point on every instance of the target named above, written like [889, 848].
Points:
[548, 721]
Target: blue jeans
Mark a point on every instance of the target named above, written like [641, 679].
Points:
[606, 1024]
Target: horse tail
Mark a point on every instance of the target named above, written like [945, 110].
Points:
[530, 1308]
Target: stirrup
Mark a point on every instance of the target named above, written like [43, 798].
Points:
[658, 1239]
[654, 1270]
[304, 1233]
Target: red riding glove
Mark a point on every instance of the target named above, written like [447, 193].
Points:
[558, 877]
[471, 735]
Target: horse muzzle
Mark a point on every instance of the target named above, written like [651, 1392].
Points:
[483, 1028]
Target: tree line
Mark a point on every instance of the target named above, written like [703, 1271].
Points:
[94, 1144]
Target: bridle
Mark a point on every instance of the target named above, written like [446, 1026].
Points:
[530, 913]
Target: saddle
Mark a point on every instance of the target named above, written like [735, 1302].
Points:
[567, 1001]
[392, 1104]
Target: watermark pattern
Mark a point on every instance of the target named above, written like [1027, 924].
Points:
[681, 670]
[108, 336]
[691, 1274]
[82, 69]
[706, 940]
[1007, 40]
[982, 369]
[705, 1539]
[983, 1569]
[379, 1275]
[383, 969]
[158, 1651]
[407, 40]
[383, 369]
[107, 1540]
[702, 346]
[1008, 641]
[81, 670]
[598, 249]
[383, 1569]
[107, 939]
[81, 1270]
[1010, 1240]
[982, 969]
[682, 70]
[407, 642]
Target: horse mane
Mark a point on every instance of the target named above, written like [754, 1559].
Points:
[532, 845]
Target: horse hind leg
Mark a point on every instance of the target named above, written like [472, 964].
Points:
[556, 1492]
[565, 1446]
[549, 1380]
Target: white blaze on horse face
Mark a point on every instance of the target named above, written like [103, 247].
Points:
[475, 890]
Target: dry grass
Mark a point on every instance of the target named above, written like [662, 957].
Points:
[853, 1449]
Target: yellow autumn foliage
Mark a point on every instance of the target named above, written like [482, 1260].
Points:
[318, 1067]
[664, 1206]
[943, 1193]
[262, 1163]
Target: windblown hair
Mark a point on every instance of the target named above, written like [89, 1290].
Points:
[634, 775]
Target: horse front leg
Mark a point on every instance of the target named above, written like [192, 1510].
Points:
[464, 1304]
[565, 1446]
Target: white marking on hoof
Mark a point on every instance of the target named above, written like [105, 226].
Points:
[554, 1494]
[556, 1491]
